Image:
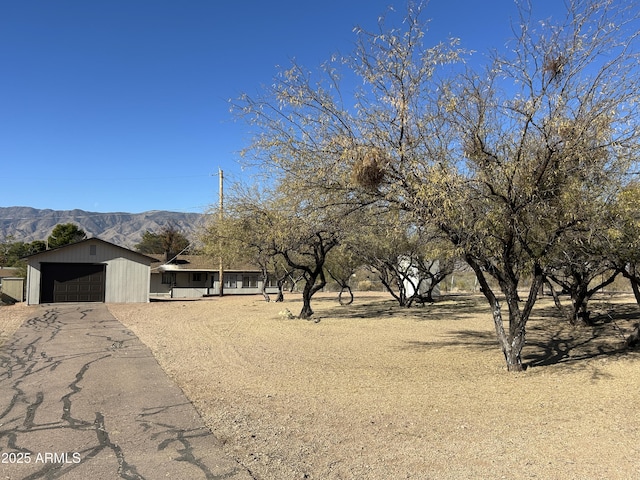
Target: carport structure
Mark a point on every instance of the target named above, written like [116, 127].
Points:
[91, 270]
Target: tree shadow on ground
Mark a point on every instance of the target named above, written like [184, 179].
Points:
[475, 339]
[552, 340]
[449, 307]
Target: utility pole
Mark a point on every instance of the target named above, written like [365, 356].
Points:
[220, 213]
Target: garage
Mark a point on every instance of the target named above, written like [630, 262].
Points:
[78, 282]
[91, 270]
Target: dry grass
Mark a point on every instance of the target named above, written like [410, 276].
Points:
[11, 317]
[377, 392]
[373, 391]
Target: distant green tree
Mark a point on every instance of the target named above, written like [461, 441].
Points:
[36, 246]
[19, 250]
[150, 243]
[169, 241]
[64, 234]
[11, 254]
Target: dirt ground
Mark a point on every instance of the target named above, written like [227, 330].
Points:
[372, 391]
[11, 317]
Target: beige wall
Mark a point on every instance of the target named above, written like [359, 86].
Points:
[14, 288]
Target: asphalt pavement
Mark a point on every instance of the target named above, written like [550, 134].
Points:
[81, 397]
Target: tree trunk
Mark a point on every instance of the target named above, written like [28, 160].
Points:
[313, 275]
[294, 282]
[310, 288]
[578, 288]
[633, 279]
[265, 279]
[344, 287]
[579, 314]
[556, 298]
[428, 296]
[636, 289]
[280, 297]
[633, 339]
[306, 311]
[403, 300]
[386, 283]
[342, 290]
[513, 341]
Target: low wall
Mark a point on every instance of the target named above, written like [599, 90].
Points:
[13, 288]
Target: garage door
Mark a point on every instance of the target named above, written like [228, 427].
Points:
[72, 282]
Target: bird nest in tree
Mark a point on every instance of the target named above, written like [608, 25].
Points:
[554, 65]
[369, 169]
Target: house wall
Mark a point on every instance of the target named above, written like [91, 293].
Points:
[189, 292]
[182, 280]
[127, 274]
[185, 286]
[127, 281]
[13, 287]
[156, 285]
[234, 283]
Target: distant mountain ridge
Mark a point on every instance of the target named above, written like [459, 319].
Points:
[26, 224]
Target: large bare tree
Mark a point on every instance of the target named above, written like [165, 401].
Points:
[546, 132]
[504, 158]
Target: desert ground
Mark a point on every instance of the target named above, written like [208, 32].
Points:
[374, 391]
[11, 317]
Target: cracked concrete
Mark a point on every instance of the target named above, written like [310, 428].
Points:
[81, 397]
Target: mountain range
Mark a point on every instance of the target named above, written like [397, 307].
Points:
[26, 224]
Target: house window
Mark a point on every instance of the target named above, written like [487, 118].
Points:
[197, 277]
[169, 278]
[250, 281]
[92, 249]
[229, 281]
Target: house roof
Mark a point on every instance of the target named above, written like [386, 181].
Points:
[88, 240]
[6, 272]
[196, 263]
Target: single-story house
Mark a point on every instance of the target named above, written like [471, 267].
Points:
[193, 276]
[91, 270]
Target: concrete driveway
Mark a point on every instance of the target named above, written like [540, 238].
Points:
[82, 398]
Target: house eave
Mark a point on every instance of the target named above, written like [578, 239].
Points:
[177, 268]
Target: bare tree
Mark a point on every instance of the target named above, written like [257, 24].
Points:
[545, 134]
[341, 266]
[505, 160]
[625, 248]
[583, 266]
[281, 234]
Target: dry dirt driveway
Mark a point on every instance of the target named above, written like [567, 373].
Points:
[81, 397]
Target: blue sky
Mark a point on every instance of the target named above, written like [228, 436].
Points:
[122, 105]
